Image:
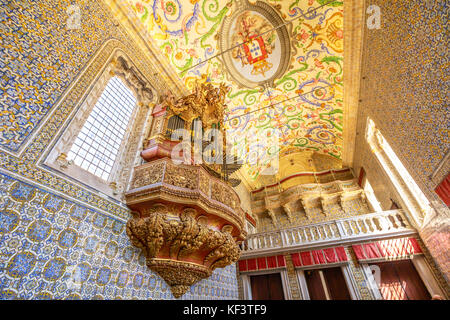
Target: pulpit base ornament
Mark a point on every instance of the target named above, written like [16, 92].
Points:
[182, 242]
[179, 275]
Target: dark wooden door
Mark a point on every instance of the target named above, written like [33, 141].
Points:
[334, 283]
[400, 281]
[337, 287]
[314, 284]
[267, 287]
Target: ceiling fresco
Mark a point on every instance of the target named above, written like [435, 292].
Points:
[285, 82]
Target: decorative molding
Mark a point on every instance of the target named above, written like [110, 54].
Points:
[288, 210]
[310, 194]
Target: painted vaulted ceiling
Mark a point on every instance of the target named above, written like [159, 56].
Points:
[287, 81]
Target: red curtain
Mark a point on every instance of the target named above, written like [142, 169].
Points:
[357, 248]
[330, 256]
[271, 262]
[242, 265]
[281, 261]
[306, 258]
[342, 255]
[443, 190]
[371, 250]
[251, 264]
[296, 260]
[262, 263]
[392, 248]
[318, 256]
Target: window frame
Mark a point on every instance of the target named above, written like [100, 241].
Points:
[247, 288]
[422, 267]
[107, 148]
[415, 201]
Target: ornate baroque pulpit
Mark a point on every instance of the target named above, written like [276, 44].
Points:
[186, 217]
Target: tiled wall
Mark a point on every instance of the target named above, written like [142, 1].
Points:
[54, 248]
[40, 57]
[58, 238]
[404, 90]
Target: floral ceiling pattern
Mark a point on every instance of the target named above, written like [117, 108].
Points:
[304, 104]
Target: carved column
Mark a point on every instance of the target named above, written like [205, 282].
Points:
[323, 204]
[364, 200]
[341, 202]
[306, 207]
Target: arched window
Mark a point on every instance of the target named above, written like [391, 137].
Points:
[96, 147]
[174, 123]
[408, 190]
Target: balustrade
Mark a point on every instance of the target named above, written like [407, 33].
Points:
[380, 224]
